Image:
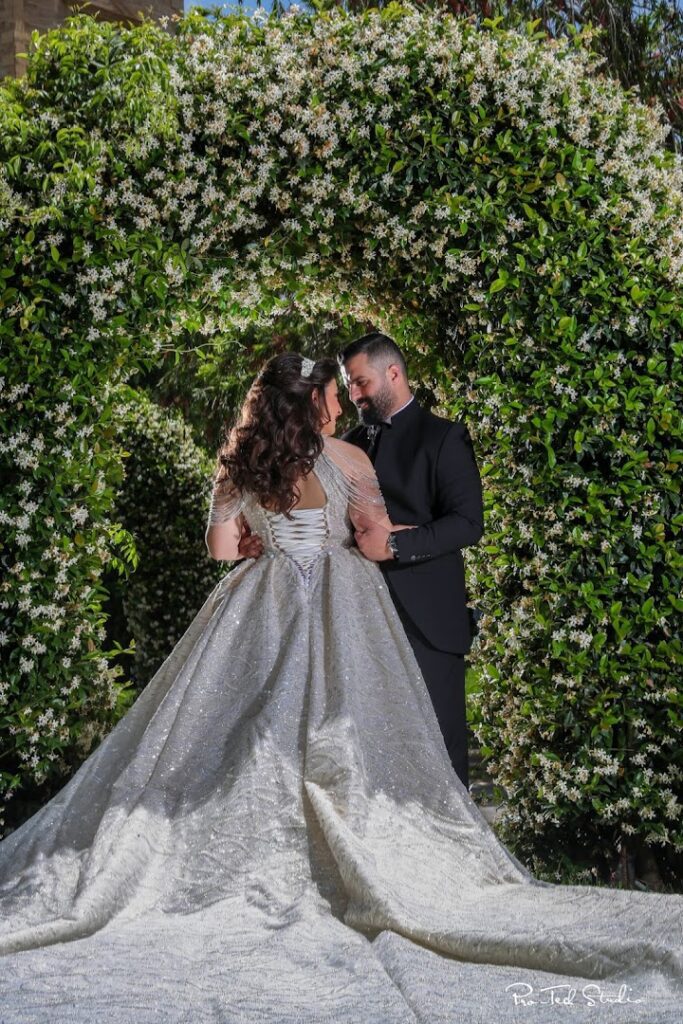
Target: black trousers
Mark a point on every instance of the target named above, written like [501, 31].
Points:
[444, 674]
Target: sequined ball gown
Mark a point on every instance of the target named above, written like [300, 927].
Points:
[274, 833]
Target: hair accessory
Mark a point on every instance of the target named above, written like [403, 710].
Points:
[307, 366]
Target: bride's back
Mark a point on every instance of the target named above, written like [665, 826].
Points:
[311, 493]
[342, 484]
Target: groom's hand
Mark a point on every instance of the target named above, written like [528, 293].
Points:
[372, 542]
[251, 545]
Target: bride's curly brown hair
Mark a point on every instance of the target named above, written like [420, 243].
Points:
[277, 437]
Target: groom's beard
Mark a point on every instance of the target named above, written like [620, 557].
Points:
[376, 409]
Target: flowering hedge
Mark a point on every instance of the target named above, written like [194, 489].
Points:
[485, 195]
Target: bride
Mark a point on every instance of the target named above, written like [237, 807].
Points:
[274, 831]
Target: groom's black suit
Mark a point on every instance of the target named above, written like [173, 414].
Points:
[428, 474]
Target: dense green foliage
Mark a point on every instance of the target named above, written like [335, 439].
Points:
[162, 503]
[505, 212]
[639, 41]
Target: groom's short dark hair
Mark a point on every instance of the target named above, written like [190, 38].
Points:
[378, 348]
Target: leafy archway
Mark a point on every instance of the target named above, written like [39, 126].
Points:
[489, 198]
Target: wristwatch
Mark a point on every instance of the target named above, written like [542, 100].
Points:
[392, 545]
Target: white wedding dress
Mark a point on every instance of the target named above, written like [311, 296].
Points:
[274, 833]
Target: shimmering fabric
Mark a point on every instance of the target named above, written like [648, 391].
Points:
[274, 833]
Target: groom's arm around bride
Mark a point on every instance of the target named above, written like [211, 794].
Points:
[458, 520]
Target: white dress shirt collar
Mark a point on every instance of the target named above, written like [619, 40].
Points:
[397, 411]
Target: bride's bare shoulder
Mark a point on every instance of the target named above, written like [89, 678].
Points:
[348, 453]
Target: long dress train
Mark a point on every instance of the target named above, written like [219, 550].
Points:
[274, 833]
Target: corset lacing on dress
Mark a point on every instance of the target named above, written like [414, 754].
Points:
[303, 538]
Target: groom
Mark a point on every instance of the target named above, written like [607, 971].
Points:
[428, 474]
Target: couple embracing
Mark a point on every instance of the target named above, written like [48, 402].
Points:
[274, 831]
[428, 477]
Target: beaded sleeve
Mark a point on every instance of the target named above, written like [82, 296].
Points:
[365, 497]
[226, 502]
